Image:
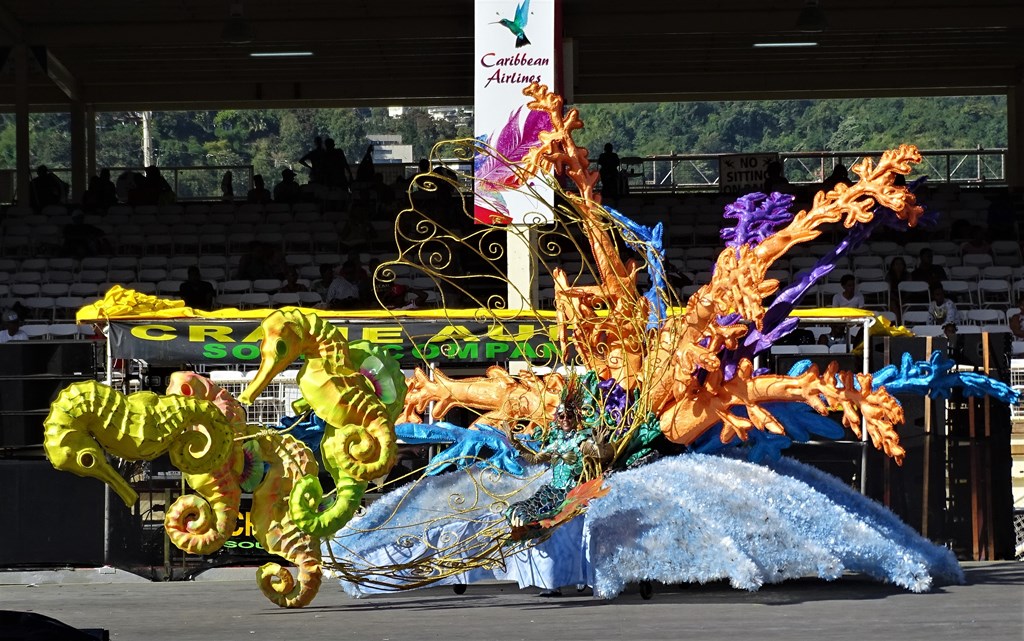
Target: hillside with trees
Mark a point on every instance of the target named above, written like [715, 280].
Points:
[272, 139]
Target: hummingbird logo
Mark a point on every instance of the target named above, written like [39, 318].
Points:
[518, 26]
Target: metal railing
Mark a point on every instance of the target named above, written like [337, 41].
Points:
[188, 183]
[700, 172]
[669, 173]
[199, 183]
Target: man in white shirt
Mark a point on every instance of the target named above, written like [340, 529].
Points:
[342, 294]
[942, 310]
[849, 296]
[12, 328]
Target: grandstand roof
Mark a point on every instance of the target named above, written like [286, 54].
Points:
[119, 55]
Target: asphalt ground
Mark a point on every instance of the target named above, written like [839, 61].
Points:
[227, 605]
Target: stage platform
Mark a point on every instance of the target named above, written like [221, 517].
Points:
[225, 604]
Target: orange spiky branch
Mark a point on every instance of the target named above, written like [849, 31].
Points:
[850, 392]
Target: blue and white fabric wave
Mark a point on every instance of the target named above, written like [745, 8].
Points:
[689, 518]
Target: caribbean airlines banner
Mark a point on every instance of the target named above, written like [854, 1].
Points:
[515, 46]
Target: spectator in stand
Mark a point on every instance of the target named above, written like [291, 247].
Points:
[287, 191]
[926, 270]
[263, 260]
[978, 243]
[364, 184]
[774, 180]
[101, 193]
[128, 185]
[839, 176]
[942, 310]
[342, 294]
[108, 192]
[92, 195]
[227, 187]
[849, 296]
[838, 335]
[82, 239]
[152, 189]
[399, 296]
[259, 193]
[337, 172]
[1017, 322]
[896, 274]
[314, 161]
[45, 189]
[609, 162]
[354, 273]
[12, 328]
[277, 266]
[291, 283]
[196, 292]
[322, 284]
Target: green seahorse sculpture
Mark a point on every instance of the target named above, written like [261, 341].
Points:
[359, 441]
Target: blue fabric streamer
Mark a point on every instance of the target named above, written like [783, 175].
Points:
[649, 240]
[482, 447]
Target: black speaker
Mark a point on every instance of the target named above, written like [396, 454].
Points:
[31, 376]
[56, 518]
[56, 358]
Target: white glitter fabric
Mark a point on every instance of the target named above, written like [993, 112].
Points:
[689, 518]
[697, 518]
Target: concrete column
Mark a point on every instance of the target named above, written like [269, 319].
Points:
[522, 267]
[79, 180]
[23, 163]
[1015, 136]
[90, 141]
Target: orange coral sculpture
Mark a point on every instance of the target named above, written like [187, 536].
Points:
[675, 369]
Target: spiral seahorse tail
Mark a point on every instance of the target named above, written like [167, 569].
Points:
[305, 499]
[289, 461]
[79, 412]
[278, 585]
[201, 523]
[359, 441]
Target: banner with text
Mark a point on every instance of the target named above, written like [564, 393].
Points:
[743, 173]
[515, 46]
[172, 342]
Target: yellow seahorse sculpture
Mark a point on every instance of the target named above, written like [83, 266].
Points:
[359, 436]
[201, 523]
[87, 420]
[289, 461]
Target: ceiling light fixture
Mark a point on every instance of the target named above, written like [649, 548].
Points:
[280, 54]
[236, 29]
[780, 45]
[811, 18]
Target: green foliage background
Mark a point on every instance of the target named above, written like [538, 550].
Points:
[275, 138]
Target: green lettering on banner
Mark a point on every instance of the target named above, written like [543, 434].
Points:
[493, 349]
[426, 351]
[214, 351]
[394, 351]
[245, 352]
[464, 351]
